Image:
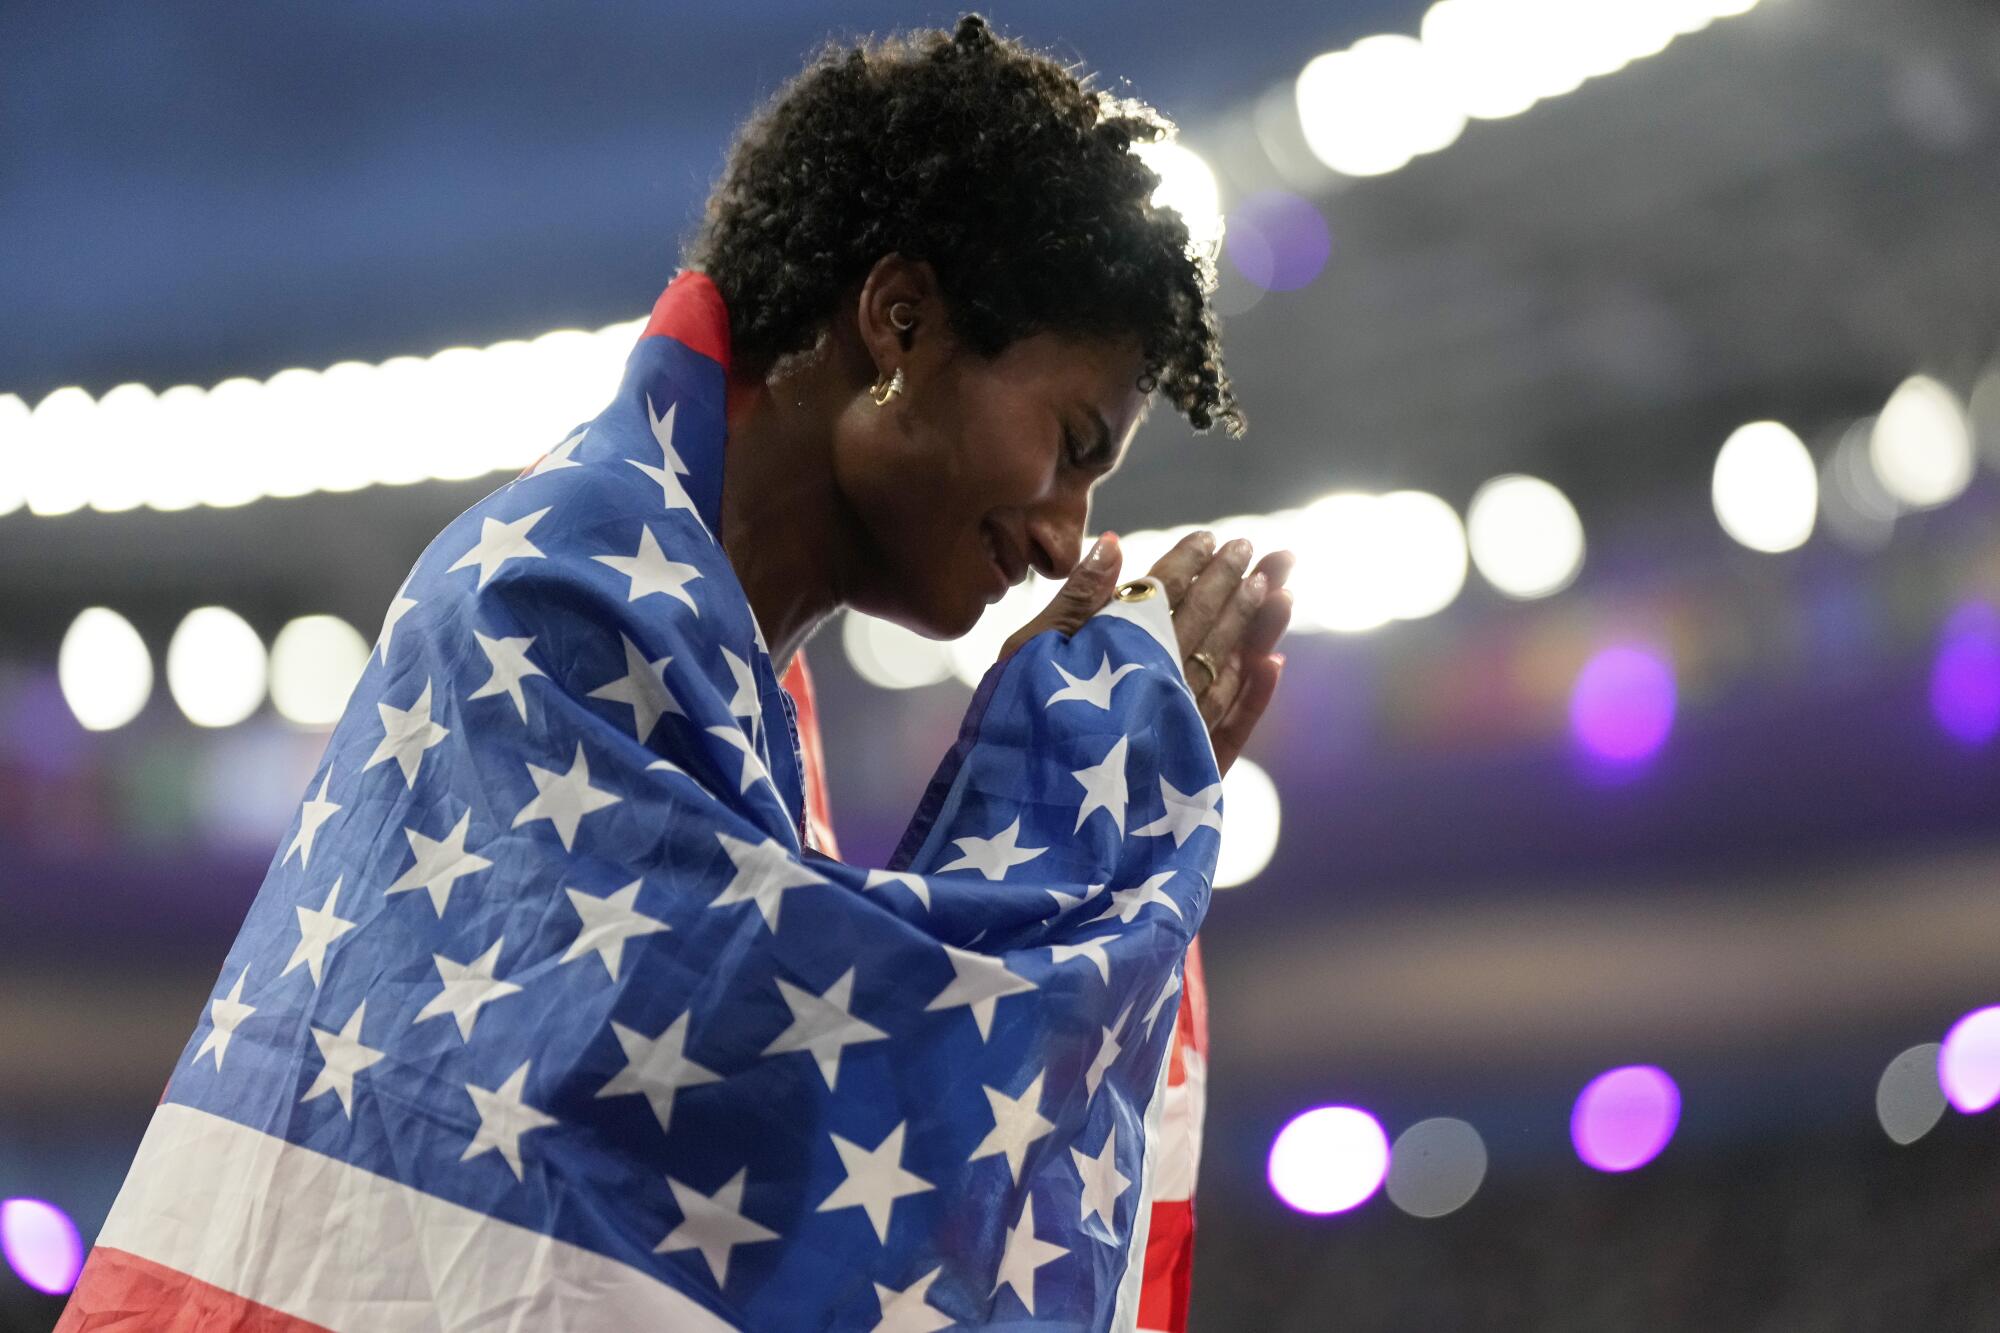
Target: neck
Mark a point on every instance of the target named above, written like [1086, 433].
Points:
[783, 523]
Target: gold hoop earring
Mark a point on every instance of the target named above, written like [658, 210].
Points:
[882, 392]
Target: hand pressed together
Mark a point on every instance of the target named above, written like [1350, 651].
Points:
[1227, 616]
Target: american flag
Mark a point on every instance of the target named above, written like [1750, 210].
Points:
[548, 1016]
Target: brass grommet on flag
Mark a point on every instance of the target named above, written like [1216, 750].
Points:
[1138, 590]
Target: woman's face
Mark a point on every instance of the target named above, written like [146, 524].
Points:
[980, 470]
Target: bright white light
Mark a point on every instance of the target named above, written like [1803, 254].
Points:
[215, 667]
[1766, 489]
[104, 669]
[1187, 185]
[315, 662]
[1483, 51]
[1909, 1100]
[1328, 1159]
[1250, 820]
[890, 657]
[13, 443]
[1435, 1167]
[462, 413]
[1369, 109]
[1922, 445]
[1422, 565]
[1339, 584]
[1525, 536]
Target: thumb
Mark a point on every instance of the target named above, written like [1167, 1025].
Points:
[1083, 594]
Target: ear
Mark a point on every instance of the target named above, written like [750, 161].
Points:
[898, 291]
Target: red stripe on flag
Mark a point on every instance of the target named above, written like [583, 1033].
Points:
[122, 1293]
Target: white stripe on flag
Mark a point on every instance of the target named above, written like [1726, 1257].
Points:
[1125, 1317]
[336, 1245]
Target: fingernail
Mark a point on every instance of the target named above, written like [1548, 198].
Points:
[1099, 558]
[1238, 550]
[1279, 660]
[1256, 587]
[1205, 540]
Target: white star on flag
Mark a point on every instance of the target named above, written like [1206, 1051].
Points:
[875, 1179]
[440, 863]
[503, 1118]
[916, 884]
[315, 810]
[1104, 788]
[607, 923]
[1065, 901]
[224, 1016]
[1025, 1253]
[500, 542]
[509, 660]
[564, 798]
[1017, 1123]
[1093, 949]
[909, 1310]
[406, 734]
[468, 988]
[765, 872]
[993, 857]
[753, 767]
[649, 571]
[713, 1223]
[318, 927]
[1185, 813]
[562, 456]
[1103, 1182]
[1126, 904]
[673, 495]
[744, 703]
[823, 1024]
[643, 688]
[399, 606]
[342, 1056]
[1107, 1055]
[1096, 690]
[657, 1067]
[978, 982]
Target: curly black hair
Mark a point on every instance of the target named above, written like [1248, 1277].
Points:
[992, 162]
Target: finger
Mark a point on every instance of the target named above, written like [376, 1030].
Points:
[1196, 615]
[1234, 619]
[1216, 700]
[1178, 567]
[1277, 567]
[1084, 593]
[1260, 683]
[1268, 624]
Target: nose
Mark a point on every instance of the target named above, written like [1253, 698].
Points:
[1055, 534]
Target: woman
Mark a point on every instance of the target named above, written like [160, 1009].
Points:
[547, 1013]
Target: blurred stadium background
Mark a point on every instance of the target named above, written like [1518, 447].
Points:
[1616, 887]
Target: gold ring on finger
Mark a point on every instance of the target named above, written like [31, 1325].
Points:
[1206, 663]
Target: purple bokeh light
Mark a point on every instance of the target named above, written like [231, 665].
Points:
[1969, 1061]
[1277, 241]
[1624, 1117]
[1965, 681]
[1622, 705]
[41, 1244]
[1328, 1159]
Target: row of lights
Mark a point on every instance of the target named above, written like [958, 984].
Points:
[1330, 1159]
[1370, 109]
[218, 671]
[1363, 561]
[1918, 453]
